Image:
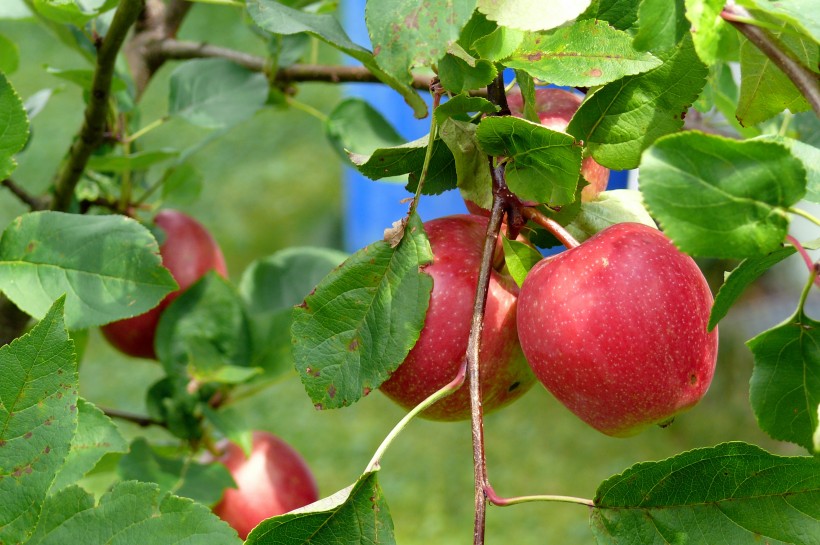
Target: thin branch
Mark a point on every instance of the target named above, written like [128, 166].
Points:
[139, 420]
[96, 111]
[803, 78]
[34, 203]
[180, 50]
[499, 501]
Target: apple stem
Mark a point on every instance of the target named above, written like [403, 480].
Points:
[499, 501]
[806, 257]
[804, 214]
[448, 389]
[550, 225]
[436, 90]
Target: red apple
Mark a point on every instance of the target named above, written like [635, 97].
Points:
[555, 108]
[272, 481]
[188, 252]
[434, 361]
[616, 329]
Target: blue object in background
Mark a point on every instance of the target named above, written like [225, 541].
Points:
[372, 206]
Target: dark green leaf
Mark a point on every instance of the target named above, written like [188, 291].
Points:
[586, 53]
[621, 14]
[140, 160]
[472, 167]
[13, 127]
[204, 334]
[620, 120]
[354, 126]
[108, 266]
[96, 436]
[279, 19]
[719, 197]
[542, 165]
[168, 402]
[356, 514]
[730, 494]
[38, 416]
[785, 385]
[130, 513]
[363, 319]
[661, 25]
[520, 258]
[215, 93]
[423, 36]
[528, 15]
[744, 274]
[809, 156]
[611, 207]
[181, 476]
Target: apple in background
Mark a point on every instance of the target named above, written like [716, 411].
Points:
[188, 252]
[616, 329]
[435, 359]
[274, 480]
[555, 108]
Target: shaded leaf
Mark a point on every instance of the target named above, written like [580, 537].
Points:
[661, 25]
[611, 207]
[14, 127]
[354, 126]
[472, 168]
[140, 160]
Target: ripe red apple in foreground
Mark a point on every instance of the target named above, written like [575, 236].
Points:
[272, 481]
[616, 329]
[188, 252]
[434, 361]
[555, 108]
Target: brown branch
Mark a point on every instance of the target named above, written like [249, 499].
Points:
[34, 203]
[806, 81]
[96, 111]
[139, 420]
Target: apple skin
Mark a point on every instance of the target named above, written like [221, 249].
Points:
[274, 480]
[188, 252]
[555, 108]
[616, 329]
[435, 359]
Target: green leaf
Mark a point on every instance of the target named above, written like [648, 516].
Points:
[802, 14]
[661, 25]
[9, 55]
[354, 126]
[498, 44]
[422, 38]
[531, 14]
[232, 424]
[461, 107]
[730, 494]
[363, 319]
[73, 12]
[181, 476]
[809, 156]
[472, 168]
[279, 19]
[719, 197]
[459, 76]
[108, 266]
[611, 207]
[542, 165]
[84, 78]
[130, 513]
[14, 9]
[586, 53]
[785, 385]
[38, 416]
[744, 274]
[356, 514]
[270, 287]
[214, 93]
[816, 437]
[181, 184]
[140, 160]
[96, 436]
[13, 127]
[169, 402]
[621, 14]
[765, 90]
[706, 26]
[620, 120]
[520, 258]
[527, 87]
[204, 334]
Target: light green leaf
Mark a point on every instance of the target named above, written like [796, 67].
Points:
[611, 207]
[356, 514]
[427, 30]
[462, 108]
[360, 323]
[132, 512]
[14, 9]
[661, 25]
[620, 120]
[279, 19]
[785, 385]
[108, 266]
[542, 165]
[472, 168]
[587, 53]
[706, 27]
[181, 476]
[215, 93]
[531, 14]
[73, 12]
[498, 44]
[140, 160]
[458, 76]
[38, 416]
[719, 197]
[803, 14]
[9, 56]
[730, 494]
[96, 436]
[520, 258]
[13, 127]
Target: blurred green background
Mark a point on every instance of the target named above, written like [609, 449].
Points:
[274, 182]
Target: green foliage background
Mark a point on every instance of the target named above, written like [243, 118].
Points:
[274, 182]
